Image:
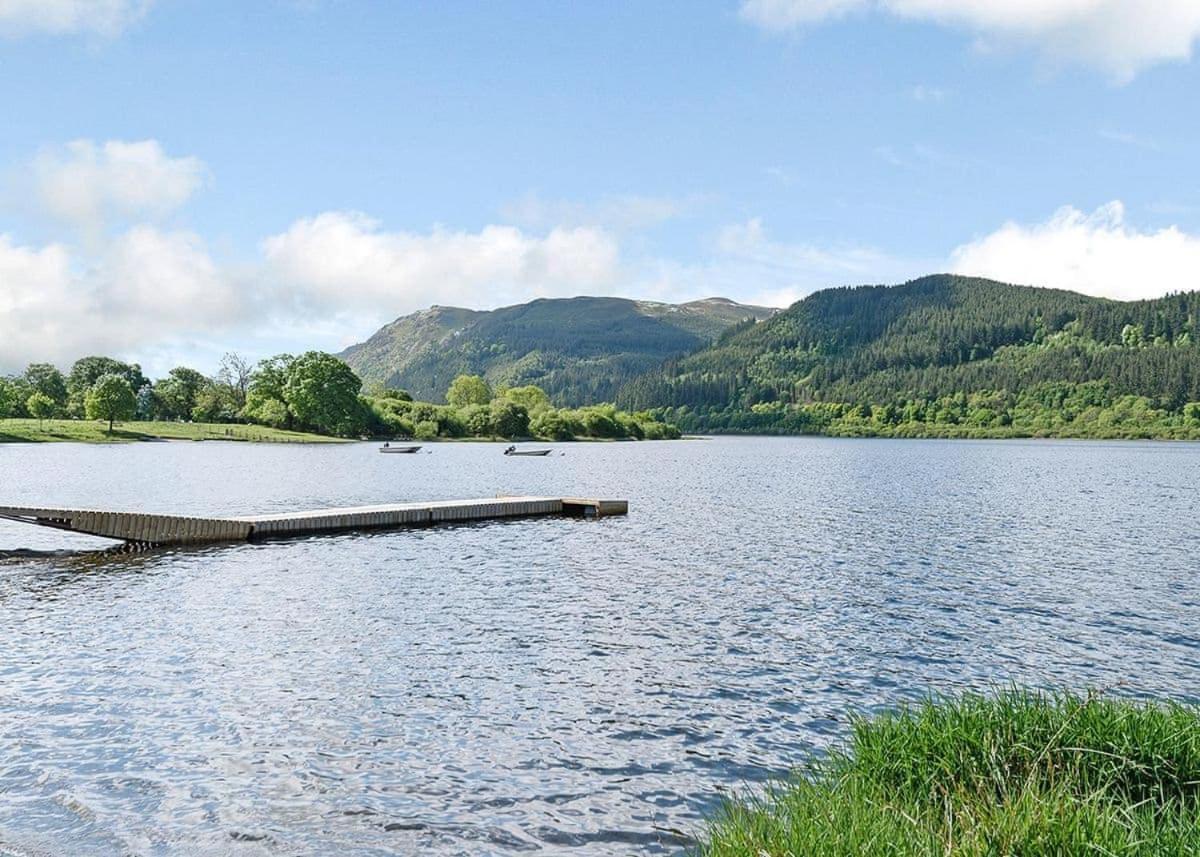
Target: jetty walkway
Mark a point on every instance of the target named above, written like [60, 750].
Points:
[153, 530]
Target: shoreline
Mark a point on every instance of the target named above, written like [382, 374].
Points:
[27, 431]
[954, 437]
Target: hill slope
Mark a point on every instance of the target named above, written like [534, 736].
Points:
[939, 350]
[579, 350]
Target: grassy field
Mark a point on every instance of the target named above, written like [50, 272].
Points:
[1015, 774]
[86, 431]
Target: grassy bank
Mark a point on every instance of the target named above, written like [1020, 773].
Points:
[1018, 774]
[88, 431]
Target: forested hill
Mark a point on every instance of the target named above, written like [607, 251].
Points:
[579, 350]
[943, 355]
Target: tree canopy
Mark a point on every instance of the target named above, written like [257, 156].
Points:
[87, 370]
[322, 392]
[110, 398]
[468, 390]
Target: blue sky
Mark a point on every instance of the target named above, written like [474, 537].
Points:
[178, 178]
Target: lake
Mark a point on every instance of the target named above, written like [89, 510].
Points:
[568, 686]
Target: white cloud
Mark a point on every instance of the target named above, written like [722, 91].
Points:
[345, 260]
[149, 290]
[89, 184]
[1097, 254]
[168, 281]
[1120, 36]
[61, 17]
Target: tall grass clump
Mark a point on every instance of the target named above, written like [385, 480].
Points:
[1018, 773]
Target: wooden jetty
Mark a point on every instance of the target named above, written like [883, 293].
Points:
[157, 530]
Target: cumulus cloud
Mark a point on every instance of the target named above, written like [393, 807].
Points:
[88, 184]
[1120, 36]
[346, 260]
[1097, 254]
[61, 17]
[148, 290]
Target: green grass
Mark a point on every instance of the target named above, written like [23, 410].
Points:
[1019, 773]
[87, 431]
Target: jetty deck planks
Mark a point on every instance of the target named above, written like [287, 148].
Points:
[147, 529]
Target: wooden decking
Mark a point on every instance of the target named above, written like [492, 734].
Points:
[147, 529]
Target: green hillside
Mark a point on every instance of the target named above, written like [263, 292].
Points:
[945, 355]
[579, 350]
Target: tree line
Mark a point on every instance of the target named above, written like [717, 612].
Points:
[314, 392]
[919, 354]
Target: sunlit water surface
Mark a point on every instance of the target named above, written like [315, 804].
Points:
[584, 687]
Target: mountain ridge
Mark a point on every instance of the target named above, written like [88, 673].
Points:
[578, 349]
[932, 339]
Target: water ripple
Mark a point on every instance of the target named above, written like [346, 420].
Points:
[550, 686]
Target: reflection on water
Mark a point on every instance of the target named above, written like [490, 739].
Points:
[555, 685]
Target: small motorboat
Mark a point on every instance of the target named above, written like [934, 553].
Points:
[512, 450]
[404, 450]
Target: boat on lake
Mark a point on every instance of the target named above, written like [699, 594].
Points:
[408, 450]
[512, 450]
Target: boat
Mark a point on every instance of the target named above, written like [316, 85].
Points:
[409, 450]
[512, 450]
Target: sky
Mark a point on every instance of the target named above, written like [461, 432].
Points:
[180, 178]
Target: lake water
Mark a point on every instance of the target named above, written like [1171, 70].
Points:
[568, 686]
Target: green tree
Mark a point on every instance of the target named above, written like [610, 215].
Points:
[531, 397]
[509, 419]
[8, 398]
[178, 391]
[235, 373]
[272, 412]
[392, 394]
[88, 370]
[270, 376]
[600, 421]
[1132, 335]
[111, 398]
[550, 424]
[468, 390]
[45, 378]
[322, 392]
[477, 420]
[425, 430]
[215, 403]
[265, 400]
[40, 406]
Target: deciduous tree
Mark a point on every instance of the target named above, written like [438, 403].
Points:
[110, 398]
[40, 406]
[468, 390]
[322, 391]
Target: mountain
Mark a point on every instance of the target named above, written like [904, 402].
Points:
[579, 350]
[938, 347]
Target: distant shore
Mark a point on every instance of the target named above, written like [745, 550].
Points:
[90, 431]
[965, 433]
